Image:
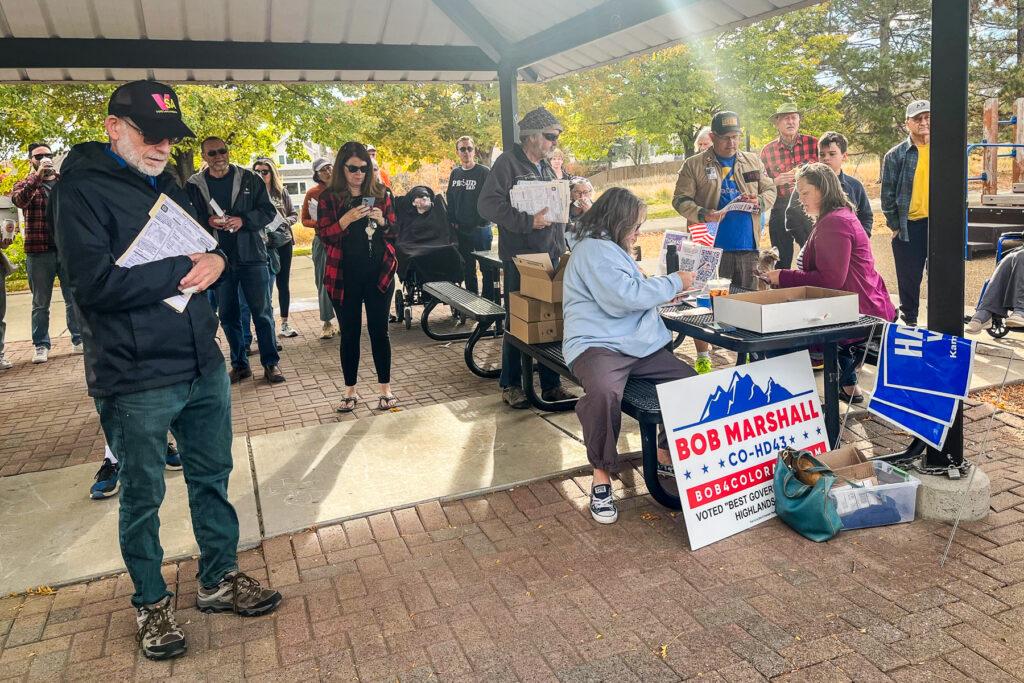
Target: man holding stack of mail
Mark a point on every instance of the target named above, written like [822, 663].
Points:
[151, 369]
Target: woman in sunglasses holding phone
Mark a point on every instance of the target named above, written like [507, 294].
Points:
[356, 222]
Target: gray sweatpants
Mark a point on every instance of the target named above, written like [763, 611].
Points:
[319, 263]
[603, 374]
[1005, 290]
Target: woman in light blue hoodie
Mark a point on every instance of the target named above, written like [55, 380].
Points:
[613, 331]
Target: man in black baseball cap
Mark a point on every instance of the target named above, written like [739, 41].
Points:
[149, 368]
[725, 122]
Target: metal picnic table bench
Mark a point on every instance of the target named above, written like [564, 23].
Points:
[486, 314]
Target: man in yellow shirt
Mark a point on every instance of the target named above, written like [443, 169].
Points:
[905, 205]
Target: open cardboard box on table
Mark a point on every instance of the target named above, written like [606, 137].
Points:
[539, 278]
[792, 308]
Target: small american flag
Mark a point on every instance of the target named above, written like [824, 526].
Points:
[704, 233]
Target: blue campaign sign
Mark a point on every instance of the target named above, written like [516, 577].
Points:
[930, 406]
[922, 360]
[931, 432]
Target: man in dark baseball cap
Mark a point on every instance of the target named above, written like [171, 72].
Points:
[153, 108]
[725, 122]
[151, 368]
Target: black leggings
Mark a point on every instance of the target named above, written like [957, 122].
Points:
[283, 294]
[350, 317]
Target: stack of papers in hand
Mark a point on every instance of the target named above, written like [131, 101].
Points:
[533, 196]
[170, 231]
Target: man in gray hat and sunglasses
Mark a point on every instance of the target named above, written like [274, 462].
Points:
[149, 368]
[521, 233]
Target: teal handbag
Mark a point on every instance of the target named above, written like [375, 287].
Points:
[807, 509]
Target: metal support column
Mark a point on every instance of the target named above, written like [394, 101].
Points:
[507, 89]
[947, 198]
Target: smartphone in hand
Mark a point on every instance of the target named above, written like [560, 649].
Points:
[368, 202]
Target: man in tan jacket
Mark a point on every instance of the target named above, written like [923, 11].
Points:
[709, 181]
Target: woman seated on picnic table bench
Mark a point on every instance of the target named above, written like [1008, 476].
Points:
[613, 331]
[837, 255]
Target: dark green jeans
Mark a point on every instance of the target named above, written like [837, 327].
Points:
[198, 414]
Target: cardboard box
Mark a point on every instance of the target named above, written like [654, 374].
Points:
[848, 463]
[792, 308]
[533, 310]
[535, 333]
[539, 278]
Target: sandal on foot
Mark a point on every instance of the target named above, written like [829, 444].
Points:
[348, 404]
[387, 402]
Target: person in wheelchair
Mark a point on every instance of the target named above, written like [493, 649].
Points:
[427, 249]
[1003, 295]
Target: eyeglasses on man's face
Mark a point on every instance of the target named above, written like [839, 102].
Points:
[465, 150]
[551, 137]
[42, 155]
[217, 152]
[149, 139]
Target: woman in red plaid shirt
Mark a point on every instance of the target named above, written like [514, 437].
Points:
[356, 222]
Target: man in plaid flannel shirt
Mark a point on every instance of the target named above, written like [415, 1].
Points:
[32, 195]
[781, 157]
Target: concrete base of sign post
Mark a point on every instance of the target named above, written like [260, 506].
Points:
[940, 498]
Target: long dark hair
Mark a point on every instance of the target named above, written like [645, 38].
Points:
[614, 215]
[339, 186]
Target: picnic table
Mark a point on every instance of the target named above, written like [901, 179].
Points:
[490, 267]
[752, 344]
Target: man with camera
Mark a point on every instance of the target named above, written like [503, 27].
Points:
[32, 196]
[234, 202]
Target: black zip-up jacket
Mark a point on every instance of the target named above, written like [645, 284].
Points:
[133, 341]
[250, 202]
[516, 234]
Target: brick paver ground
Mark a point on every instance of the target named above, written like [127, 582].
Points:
[522, 585]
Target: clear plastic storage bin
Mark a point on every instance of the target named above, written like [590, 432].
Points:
[892, 501]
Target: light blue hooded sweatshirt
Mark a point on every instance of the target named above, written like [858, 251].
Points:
[608, 303]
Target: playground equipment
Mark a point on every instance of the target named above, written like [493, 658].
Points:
[998, 214]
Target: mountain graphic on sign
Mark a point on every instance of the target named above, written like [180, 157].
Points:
[742, 395]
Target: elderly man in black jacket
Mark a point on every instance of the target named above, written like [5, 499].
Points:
[149, 368]
[241, 232]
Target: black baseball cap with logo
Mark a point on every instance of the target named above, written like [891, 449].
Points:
[151, 106]
[725, 122]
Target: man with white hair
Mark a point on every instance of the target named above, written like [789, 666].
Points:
[149, 368]
[522, 233]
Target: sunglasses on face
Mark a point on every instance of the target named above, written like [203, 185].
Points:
[44, 155]
[263, 171]
[465, 149]
[149, 139]
[217, 152]
[551, 137]
[356, 169]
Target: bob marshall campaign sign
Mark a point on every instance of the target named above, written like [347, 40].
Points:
[725, 430]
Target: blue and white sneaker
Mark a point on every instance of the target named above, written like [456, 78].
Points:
[172, 460]
[602, 504]
[106, 481]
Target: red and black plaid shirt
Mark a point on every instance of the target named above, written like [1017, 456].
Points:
[778, 158]
[330, 209]
[30, 195]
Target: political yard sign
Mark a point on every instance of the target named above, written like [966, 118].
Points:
[725, 430]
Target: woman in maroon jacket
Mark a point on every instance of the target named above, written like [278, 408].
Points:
[837, 255]
[356, 222]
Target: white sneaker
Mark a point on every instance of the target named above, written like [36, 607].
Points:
[287, 330]
[78, 348]
[602, 505]
[4, 363]
[1015, 319]
[976, 326]
[41, 355]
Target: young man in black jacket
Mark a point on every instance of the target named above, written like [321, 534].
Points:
[149, 368]
[243, 198]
